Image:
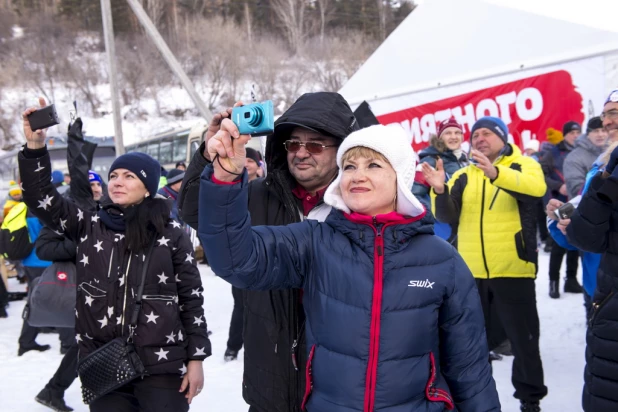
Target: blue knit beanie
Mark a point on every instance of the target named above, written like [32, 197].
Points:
[57, 177]
[495, 124]
[147, 169]
[94, 177]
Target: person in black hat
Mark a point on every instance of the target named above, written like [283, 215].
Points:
[552, 163]
[301, 163]
[252, 163]
[170, 191]
[588, 147]
[181, 165]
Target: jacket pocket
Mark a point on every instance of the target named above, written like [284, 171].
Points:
[433, 393]
[93, 317]
[521, 246]
[159, 321]
[597, 306]
[309, 380]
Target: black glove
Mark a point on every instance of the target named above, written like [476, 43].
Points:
[75, 129]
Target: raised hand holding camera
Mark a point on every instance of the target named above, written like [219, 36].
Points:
[35, 138]
[227, 151]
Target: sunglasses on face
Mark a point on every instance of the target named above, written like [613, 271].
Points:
[294, 146]
[611, 115]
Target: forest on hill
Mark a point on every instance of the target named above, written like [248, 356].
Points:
[280, 47]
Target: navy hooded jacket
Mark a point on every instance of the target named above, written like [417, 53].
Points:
[394, 321]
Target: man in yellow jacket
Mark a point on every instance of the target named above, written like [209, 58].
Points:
[494, 200]
[13, 199]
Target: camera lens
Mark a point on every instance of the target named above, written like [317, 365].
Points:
[256, 116]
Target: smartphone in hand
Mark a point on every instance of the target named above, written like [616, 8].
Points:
[43, 118]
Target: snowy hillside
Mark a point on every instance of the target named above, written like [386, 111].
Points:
[562, 350]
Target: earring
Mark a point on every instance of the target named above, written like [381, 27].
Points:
[146, 195]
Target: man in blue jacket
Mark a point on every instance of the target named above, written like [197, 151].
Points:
[33, 268]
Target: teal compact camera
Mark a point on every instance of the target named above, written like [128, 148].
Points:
[255, 119]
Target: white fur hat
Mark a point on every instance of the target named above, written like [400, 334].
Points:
[391, 141]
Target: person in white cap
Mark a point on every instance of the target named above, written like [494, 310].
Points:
[531, 148]
[373, 267]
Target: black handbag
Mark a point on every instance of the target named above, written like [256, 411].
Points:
[116, 363]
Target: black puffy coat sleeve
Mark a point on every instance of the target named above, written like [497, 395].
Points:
[188, 198]
[589, 229]
[190, 296]
[42, 198]
[54, 247]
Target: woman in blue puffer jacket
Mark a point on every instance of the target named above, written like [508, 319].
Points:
[393, 317]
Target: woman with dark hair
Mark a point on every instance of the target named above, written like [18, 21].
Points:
[131, 238]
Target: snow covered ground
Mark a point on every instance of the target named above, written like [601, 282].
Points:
[562, 350]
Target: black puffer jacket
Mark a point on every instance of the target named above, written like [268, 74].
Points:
[594, 228]
[171, 328]
[274, 328]
[54, 247]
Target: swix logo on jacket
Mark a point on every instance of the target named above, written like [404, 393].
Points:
[421, 284]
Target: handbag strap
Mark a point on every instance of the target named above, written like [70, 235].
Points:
[138, 298]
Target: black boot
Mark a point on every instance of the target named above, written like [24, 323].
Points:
[36, 346]
[230, 355]
[554, 290]
[493, 356]
[504, 348]
[52, 400]
[548, 244]
[571, 285]
[529, 406]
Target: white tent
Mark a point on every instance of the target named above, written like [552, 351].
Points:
[449, 48]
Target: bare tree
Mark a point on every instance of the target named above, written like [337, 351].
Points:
[293, 80]
[326, 9]
[291, 13]
[382, 9]
[42, 64]
[248, 21]
[155, 10]
[338, 58]
[266, 67]
[142, 70]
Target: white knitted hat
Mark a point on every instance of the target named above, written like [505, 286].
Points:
[392, 142]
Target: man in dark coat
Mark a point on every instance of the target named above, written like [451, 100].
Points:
[588, 147]
[170, 191]
[298, 175]
[552, 163]
[593, 228]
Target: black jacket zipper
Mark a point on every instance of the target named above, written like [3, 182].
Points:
[494, 199]
[482, 238]
[596, 307]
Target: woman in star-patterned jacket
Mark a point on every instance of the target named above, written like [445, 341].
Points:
[170, 337]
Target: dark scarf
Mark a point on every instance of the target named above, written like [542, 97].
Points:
[113, 216]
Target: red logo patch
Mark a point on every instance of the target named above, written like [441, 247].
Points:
[62, 276]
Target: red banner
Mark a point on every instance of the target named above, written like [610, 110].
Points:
[528, 107]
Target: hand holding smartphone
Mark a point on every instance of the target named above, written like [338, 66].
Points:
[43, 118]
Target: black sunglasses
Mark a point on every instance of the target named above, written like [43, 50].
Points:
[294, 146]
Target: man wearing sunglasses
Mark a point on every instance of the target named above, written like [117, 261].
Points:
[609, 117]
[301, 163]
